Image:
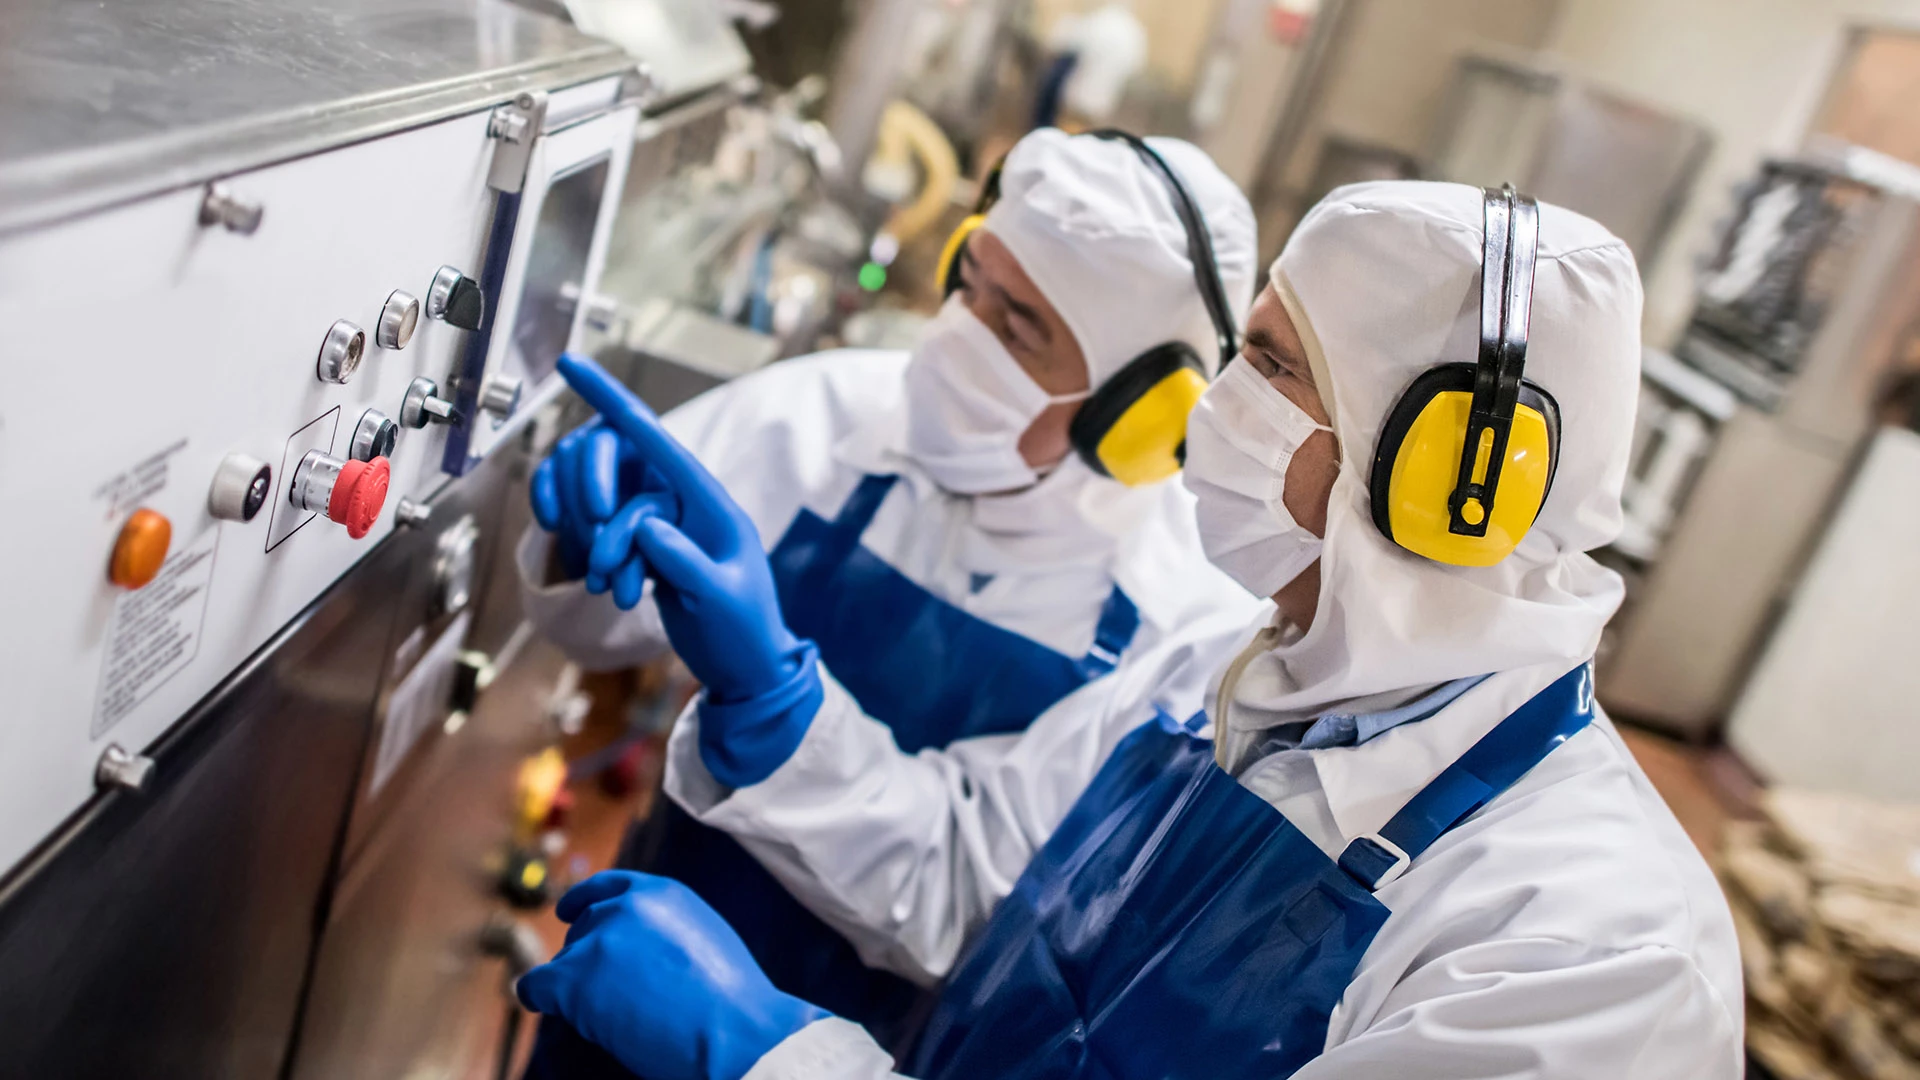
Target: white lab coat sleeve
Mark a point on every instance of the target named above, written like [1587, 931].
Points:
[589, 629]
[905, 854]
[1535, 1008]
[829, 1049]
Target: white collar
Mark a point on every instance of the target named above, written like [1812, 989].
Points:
[1362, 787]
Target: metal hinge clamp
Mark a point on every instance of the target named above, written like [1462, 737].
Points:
[515, 128]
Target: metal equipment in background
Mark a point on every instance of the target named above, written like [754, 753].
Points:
[1626, 165]
[285, 287]
[1830, 704]
[733, 250]
[1747, 441]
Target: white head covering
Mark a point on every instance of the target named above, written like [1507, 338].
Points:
[1095, 229]
[1382, 281]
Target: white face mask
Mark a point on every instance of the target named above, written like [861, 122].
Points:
[1240, 439]
[968, 403]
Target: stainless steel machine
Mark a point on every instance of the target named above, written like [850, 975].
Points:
[285, 286]
[1749, 437]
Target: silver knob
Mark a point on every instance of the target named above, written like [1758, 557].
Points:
[313, 481]
[340, 354]
[240, 488]
[220, 206]
[424, 405]
[500, 396]
[411, 515]
[373, 436]
[398, 317]
[456, 299]
[119, 769]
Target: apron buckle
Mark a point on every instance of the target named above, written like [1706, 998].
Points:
[1375, 861]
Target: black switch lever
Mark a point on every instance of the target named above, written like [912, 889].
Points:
[456, 299]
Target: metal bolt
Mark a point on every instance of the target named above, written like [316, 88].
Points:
[411, 515]
[510, 126]
[120, 769]
[220, 206]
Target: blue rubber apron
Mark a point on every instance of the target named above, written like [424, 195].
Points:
[928, 670]
[1176, 925]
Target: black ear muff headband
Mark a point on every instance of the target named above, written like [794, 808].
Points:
[1467, 456]
[1512, 245]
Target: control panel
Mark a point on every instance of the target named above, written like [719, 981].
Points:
[287, 365]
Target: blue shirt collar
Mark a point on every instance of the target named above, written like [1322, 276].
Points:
[1352, 729]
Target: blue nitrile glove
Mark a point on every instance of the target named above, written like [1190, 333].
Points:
[590, 472]
[652, 975]
[714, 589]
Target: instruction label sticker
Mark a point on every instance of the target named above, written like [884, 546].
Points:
[127, 490]
[155, 631]
[420, 701]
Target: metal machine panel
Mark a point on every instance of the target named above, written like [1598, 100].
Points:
[401, 986]
[145, 348]
[167, 933]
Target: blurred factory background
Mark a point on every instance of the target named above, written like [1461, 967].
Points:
[1761, 158]
[795, 169]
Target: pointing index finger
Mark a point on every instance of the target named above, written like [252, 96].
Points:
[630, 416]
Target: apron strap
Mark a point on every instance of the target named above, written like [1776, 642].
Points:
[1490, 767]
[857, 512]
[1119, 621]
[1119, 616]
[843, 533]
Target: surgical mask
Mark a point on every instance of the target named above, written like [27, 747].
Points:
[968, 403]
[1240, 439]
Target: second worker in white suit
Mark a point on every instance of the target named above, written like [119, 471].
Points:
[971, 532]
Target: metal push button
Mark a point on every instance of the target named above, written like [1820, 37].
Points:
[341, 352]
[240, 488]
[373, 436]
[398, 318]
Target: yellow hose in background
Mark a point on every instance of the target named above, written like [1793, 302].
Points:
[904, 131]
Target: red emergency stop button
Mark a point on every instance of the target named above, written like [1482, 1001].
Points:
[358, 495]
[140, 549]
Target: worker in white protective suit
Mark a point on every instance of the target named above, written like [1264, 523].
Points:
[1402, 841]
[946, 527]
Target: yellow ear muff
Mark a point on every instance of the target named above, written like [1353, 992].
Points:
[947, 271]
[1417, 467]
[1134, 428]
[1148, 442]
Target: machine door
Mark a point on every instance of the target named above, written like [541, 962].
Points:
[167, 932]
[545, 252]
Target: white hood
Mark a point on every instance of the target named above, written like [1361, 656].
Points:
[1383, 282]
[1095, 229]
